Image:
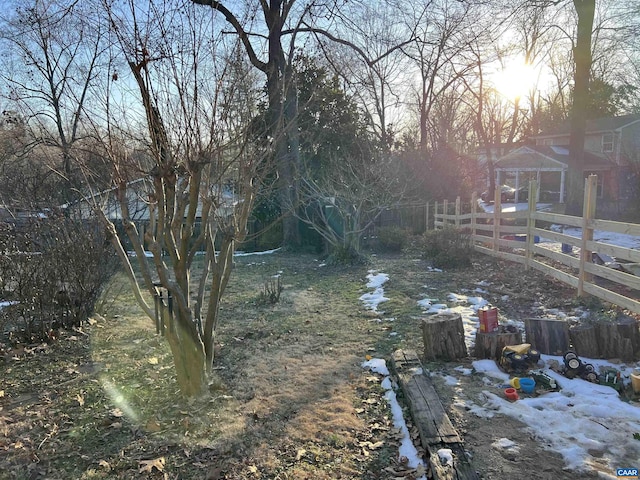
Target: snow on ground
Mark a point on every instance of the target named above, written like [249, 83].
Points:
[513, 207]
[246, 254]
[407, 448]
[372, 299]
[581, 421]
[467, 306]
[619, 239]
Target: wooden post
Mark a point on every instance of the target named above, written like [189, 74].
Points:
[457, 220]
[443, 336]
[588, 214]
[426, 218]
[497, 210]
[445, 213]
[435, 215]
[474, 203]
[531, 223]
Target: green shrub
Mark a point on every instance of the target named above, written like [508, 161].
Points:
[392, 239]
[448, 248]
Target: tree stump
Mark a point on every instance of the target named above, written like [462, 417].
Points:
[443, 336]
[620, 339]
[490, 344]
[584, 339]
[549, 336]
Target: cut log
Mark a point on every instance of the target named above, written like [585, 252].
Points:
[547, 335]
[443, 336]
[585, 341]
[620, 339]
[490, 345]
[431, 419]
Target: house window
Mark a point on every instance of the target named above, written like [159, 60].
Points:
[607, 142]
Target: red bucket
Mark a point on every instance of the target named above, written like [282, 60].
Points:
[511, 394]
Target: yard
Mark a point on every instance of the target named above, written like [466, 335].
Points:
[290, 398]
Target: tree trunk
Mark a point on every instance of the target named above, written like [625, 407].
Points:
[547, 335]
[582, 57]
[584, 339]
[188, 358]
[620, 339]
[490, 344]
[443, 337]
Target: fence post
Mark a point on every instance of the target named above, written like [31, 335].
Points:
[497, 211]
[445, 213]
[531, 222]
[457, 220]
[474, 203]
[426, 218]
[588, 214]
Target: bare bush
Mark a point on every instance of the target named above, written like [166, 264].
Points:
[52, 270]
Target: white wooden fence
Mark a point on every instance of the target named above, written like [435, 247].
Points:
[497, 234]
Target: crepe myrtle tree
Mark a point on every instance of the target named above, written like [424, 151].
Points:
[196, 176]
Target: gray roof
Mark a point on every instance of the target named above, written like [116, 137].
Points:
[597, 125]
[548, 158]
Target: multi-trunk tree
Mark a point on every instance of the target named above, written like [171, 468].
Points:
[199, 172]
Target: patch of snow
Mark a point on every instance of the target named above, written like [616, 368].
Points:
[450, 380]
[407, 449]
[371, 300]
[246, 254]
[376, 279]
[506, 444]
[446, 456]
[377, 365]
[438, 307]
[425, 303]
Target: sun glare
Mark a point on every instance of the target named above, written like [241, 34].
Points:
[515, 80]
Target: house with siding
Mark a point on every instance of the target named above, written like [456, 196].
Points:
[612, 152]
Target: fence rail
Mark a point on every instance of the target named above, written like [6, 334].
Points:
[515, 236]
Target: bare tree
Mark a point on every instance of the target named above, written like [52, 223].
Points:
[56, 53]
[442, 32]
[342, 206]
[198, 172]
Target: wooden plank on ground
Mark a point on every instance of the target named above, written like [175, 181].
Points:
[435, 428]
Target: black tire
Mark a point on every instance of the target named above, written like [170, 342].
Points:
[591, 377]
[518, 362]
[574, 364]
[534, 356]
